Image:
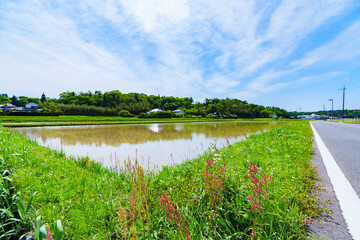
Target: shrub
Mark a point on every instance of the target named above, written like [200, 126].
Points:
[211, 115]
[165, 114]
[125, 113]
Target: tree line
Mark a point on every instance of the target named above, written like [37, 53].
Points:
[336, 113]
[112, 102]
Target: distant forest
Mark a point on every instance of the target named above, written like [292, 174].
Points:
[113, 102]
[336, 113]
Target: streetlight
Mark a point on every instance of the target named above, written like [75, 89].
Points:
[332, 107]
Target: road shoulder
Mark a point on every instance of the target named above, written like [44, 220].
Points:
[329, 226]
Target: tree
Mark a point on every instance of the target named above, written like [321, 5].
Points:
[4, 99]
[43, 98]
[67, 97]
[14, 100]
[23, 100]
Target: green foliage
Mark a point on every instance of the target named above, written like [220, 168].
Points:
[73, 109]
[336, 113]
[43, 231]
[211, 115]
[125, 113]
[211, 195]
[4, 99]
[165, 114]
[15, 100]
[43, 98]
[111, 103]
[14, 216]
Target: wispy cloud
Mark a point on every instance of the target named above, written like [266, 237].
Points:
[343, 47]
[182, 48]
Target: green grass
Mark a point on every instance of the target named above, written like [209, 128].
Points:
[346, 120]
[14, 218]
[351, 120]
[33, 121]
[97, 203]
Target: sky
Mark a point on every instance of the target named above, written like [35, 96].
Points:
[293, 54]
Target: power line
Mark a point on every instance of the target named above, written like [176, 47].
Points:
[353, 78]
[354, 81]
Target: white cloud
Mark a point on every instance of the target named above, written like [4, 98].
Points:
[292, 20]
[48, 50]
[181, 48]
[157, 14]
[344, 47]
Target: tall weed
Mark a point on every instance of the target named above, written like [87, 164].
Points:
[210, 193]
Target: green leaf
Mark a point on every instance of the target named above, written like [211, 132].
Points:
[58, 230]
[20, 205]
[7, 178]
[42, 234]
[29, 204]
[37, 227]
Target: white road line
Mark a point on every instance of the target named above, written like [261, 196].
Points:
[348, 199]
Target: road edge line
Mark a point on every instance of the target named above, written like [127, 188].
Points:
[346, 195]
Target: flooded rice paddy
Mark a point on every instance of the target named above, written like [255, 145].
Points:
[154, 145]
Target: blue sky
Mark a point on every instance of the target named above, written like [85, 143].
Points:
[292, 54]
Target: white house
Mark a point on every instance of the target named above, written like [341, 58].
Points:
[155, 110]
[308, 117]
[181, 112]
[31, 106]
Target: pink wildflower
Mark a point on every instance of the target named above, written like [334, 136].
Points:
[170, 214]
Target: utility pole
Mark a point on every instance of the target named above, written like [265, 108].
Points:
[343, 89]
[332, 107]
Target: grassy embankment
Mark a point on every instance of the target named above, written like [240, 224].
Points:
[350, 120]
[33, 121]
[212, 194]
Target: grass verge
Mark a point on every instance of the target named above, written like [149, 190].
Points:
[259, 188]
[14, 218]
[39, 121]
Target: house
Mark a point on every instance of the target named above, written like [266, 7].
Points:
[8, 107]
[155, 110]
[308, 117]
[31, 107]
[273, 116]
[181, 112]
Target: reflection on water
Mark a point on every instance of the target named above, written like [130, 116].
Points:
[153, 144]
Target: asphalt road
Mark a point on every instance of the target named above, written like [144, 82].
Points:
[343, 142]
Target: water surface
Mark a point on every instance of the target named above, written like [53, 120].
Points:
[155, 144]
